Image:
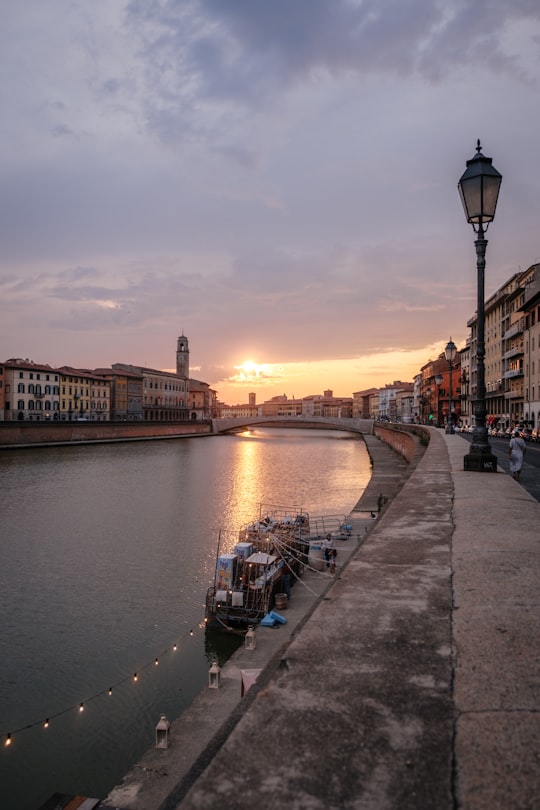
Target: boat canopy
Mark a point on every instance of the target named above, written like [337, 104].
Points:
[260, 558]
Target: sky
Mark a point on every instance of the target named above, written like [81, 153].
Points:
[275, 179]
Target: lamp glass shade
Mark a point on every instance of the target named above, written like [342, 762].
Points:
[479, 189]
[450, 351]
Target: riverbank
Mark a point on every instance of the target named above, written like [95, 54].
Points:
[21, 435]
[162, 777]
[411, 682]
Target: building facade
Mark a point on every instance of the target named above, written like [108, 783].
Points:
[164, 394]
[84, 395]
[126, 394]
[30, 391]
[530, 307]
[511, 354]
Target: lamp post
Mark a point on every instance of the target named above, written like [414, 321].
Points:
[450, 354]
[438, 383]
[479, 190]
[427, 401]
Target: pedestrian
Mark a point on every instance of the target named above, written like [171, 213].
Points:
[327, 548]
[286, 578]
[333, 555]
[516, 451]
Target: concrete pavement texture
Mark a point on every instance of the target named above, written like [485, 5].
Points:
[409, 680]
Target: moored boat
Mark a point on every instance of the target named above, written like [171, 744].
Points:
[249, 574]
[267, 556]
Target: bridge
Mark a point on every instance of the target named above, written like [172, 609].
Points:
[237, 424]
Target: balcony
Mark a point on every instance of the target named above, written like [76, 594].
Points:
[515, 329]
[513, 352]
[514, 372]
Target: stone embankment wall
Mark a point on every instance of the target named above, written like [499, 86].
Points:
[404, 440]
[26, 434]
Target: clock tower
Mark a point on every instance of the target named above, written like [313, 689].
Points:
[182, 357]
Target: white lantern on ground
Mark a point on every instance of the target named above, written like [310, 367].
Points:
[213, 676]
[163, 730]
[250, 642]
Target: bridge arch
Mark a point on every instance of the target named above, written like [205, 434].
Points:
[236, 424]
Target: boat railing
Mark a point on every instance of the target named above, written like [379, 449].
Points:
[336, 525]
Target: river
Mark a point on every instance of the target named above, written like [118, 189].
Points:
[106, 552]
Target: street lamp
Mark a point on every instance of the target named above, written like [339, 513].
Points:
[479, 190]
[438, 383]
[450, 354]
[427, 401]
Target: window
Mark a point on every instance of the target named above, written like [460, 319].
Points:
[20, 405]
[31, 387]
[20, 388]
[31, 405]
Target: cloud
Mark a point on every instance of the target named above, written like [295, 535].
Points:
[278, 179]
[207, 61]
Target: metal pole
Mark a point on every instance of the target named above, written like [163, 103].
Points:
[450, 424]
[480, 457]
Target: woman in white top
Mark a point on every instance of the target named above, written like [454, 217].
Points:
[516, 451]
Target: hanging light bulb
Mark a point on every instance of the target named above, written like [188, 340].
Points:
[191, 632]
[7, 740]
[135, 677]
[110, 690]
[46, 723]
[175, 647]
[81, 707]
[156, 662]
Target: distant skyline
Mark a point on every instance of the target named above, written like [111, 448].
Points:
[278, 181]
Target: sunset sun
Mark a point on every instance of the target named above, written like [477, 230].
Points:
[250, 370]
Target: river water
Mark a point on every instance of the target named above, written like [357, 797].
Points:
[106, 552]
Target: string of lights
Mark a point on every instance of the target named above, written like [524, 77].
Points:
[79, 707]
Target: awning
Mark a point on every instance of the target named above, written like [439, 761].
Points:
[260, 558]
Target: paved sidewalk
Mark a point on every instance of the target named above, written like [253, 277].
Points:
[410, 681]
[496, 621]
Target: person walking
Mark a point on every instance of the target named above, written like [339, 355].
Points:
[516, 451]
[333, 555]
[327, 548]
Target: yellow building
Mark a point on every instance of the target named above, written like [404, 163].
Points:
[84, 395]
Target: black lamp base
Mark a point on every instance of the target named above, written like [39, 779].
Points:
[481, 460]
